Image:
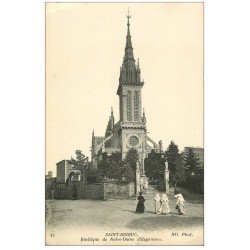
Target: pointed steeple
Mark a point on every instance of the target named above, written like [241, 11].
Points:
[128, 49]
[130, 73]
[112, 119]
[112, 114]
[111, 124]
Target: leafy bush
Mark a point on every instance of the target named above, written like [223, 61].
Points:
[195, 183]
[113, 167]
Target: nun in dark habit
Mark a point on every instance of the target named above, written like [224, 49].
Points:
[140, 206]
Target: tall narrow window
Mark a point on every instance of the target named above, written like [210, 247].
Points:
[129, 106]
[136, 106]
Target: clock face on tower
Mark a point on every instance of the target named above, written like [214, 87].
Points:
[133, 141]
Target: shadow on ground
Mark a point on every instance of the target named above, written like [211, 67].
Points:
[165, 222]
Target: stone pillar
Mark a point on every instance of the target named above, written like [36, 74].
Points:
[166, 176]
[137, 178]
[144, 180]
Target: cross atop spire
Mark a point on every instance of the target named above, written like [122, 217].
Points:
[128, 24]
[128, 15]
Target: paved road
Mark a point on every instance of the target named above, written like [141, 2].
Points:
[118, 215]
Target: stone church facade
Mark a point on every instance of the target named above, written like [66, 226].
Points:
[131, 130]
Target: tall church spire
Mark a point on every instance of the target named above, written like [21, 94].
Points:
[128, 49]
[129, 73]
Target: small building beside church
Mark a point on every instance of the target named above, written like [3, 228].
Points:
[63, 170]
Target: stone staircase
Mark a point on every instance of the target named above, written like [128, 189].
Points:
[150, 192]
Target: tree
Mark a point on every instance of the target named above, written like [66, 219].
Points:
[129, 165]
[131, 158]
[115, 165]
[127, 173]
[103, 164]
[94, 175]
[191, 161]
[178, 175]
[111, 165]
[154, 166]
[80, 163]
[172, 154]
[175, 165]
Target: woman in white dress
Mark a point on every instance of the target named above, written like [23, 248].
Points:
[157, 201]
[165, 204]
[180, 204]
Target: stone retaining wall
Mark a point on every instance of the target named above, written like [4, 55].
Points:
[94, 191]
[118, 190]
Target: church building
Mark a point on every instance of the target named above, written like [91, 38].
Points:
[131, 130]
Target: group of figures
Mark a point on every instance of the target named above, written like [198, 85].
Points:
[162, 204]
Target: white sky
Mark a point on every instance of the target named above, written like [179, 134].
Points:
[84, 50]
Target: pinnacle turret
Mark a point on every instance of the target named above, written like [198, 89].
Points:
[112, 114]
[144, 116]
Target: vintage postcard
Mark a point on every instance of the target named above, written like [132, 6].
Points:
[124, 124]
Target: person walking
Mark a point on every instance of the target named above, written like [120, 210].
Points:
[180, 204]
[157, 201]
[164, 204]
[140, 206]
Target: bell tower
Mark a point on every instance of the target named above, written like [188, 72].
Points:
[130, 84]
[132, 120]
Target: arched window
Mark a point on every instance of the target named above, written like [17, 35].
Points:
[136, 106]
[129, 106]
